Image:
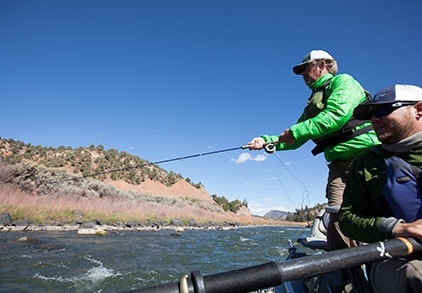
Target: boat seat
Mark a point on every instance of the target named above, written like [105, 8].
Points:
[318, 239]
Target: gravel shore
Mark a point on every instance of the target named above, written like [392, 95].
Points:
[102, 229]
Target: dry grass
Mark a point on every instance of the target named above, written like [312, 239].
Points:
[56, 209]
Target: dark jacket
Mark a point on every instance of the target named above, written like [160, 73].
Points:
[365, 215]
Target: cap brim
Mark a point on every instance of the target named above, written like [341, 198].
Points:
[364, 111]
[298, 69]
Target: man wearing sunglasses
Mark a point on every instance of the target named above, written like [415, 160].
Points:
[383, 194]
[327, 120]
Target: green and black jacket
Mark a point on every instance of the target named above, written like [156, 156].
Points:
[329, 109]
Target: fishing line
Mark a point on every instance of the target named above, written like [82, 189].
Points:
[270, 148]
[306, 192]
[282, 185]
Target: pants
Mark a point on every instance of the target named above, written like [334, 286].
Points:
[396, 275]
[334, 192]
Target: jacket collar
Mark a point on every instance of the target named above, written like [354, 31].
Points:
[320, 82]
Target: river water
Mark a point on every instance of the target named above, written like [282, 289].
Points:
[127, 260]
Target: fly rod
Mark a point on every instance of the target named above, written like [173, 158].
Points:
[164, 161]
[268, 147]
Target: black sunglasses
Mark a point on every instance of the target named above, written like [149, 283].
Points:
[389, 108]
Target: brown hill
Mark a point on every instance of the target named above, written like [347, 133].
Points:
[63, 185]
[181, 189]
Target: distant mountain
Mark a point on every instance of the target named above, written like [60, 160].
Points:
[305, 214]
[277, 215]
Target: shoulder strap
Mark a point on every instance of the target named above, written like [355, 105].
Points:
[416, 171]
[379, 150]
[346, 133]
[323, 88]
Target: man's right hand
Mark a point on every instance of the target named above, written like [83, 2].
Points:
[256, 144]
[413, 229]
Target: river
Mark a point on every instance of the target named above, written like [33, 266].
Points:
[127, 260]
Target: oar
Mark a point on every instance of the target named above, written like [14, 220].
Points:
[273, 274]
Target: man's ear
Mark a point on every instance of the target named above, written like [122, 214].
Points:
[418, 108]
[321, 64]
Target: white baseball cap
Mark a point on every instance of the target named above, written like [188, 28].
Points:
[313, 55]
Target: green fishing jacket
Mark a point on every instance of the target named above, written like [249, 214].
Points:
[326, 113]
[364, 214]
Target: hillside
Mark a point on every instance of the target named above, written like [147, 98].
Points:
[64, 185]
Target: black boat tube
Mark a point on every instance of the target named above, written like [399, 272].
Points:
[274, 274]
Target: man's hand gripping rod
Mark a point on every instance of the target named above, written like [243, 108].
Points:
[269, 147]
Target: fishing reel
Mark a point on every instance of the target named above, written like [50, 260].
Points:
[270, 147]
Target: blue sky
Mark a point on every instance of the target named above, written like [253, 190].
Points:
[164, 79]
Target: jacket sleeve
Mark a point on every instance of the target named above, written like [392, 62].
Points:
[344, 94]
[357, 218]
[282, 146]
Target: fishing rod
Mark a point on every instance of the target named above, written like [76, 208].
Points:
[163, 161]
[273, 274]
[268, 147]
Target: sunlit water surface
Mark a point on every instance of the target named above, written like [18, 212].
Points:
[121, 261]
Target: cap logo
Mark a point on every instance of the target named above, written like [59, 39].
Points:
[379, 96]
[402, 179]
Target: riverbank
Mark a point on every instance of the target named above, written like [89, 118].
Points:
[103, 229]
[92, 228]
[20, 211]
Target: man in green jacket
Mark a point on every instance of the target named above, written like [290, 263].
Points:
[327, 120]
[383, 194]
